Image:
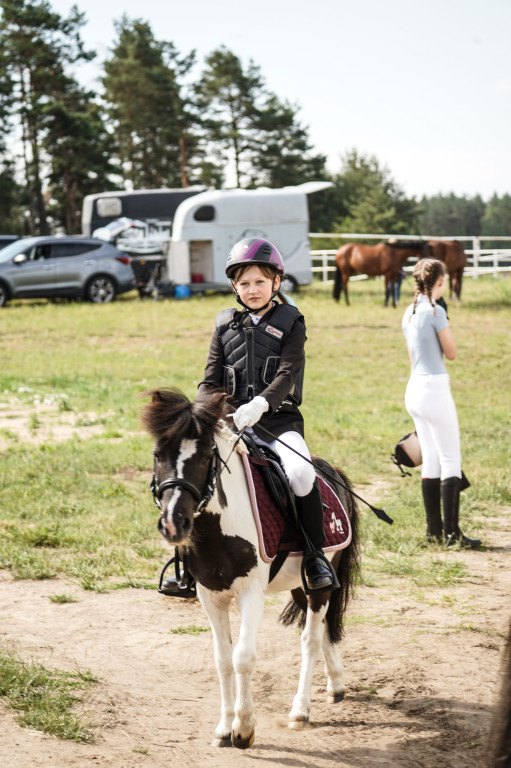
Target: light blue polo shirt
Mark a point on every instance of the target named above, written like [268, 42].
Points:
[421, 333]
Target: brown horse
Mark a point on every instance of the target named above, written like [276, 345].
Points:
[385, 259]
[453, 256]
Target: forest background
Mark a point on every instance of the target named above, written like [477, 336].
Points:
[151, 125]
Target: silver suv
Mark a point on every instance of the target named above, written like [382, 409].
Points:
[71, 267]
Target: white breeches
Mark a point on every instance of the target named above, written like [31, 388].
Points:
[300, 473]
[429, 402]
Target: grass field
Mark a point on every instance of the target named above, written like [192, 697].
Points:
[82, 509]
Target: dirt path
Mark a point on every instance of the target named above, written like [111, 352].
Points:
[422, 673]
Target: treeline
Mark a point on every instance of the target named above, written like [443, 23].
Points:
[151, 123]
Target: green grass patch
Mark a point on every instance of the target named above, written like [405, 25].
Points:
[45, 700]
[82, 509]
[191, 629]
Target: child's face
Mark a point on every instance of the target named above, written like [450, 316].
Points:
[255, 289]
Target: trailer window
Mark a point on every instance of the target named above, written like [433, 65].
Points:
[109, 206]
[204, 213]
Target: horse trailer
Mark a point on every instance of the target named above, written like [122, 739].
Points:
[207, 225]
[156, 205]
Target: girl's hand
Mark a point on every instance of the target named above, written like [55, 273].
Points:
[249, 414]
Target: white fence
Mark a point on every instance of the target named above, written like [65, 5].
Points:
[481, 261]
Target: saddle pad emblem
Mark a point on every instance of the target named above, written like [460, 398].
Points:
[274, 331]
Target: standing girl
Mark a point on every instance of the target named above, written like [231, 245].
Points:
[257, 357]
[429, 402]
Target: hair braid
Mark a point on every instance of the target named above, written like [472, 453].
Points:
[425, 274]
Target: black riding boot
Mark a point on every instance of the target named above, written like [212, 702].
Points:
[318, 571]
[431, 496]
[180, 585]
[450, 492]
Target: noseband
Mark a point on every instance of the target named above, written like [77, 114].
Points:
[202, 499]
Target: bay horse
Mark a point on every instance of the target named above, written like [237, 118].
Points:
[455, 259]
[205, 505]
[385, 259]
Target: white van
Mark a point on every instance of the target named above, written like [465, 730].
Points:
[206, 226]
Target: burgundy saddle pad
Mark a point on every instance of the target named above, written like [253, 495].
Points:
[270, 521]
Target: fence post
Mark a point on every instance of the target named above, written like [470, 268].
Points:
[477, 253]
[325, 267]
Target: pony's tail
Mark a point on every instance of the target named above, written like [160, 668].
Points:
[347, 566]
[338, 284]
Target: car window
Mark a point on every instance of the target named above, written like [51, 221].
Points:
[39, 252]
[61, 250]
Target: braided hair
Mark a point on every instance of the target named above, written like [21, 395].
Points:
[425, 274]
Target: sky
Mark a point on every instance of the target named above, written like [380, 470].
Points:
[422, 85]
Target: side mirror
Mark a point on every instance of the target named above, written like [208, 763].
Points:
[20, 258]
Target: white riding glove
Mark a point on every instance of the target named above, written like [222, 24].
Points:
[249, 414]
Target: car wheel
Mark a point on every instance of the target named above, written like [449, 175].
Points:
[4, 295]
[288, 284]
[100, 290]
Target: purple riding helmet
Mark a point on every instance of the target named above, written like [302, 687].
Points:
[256, 251]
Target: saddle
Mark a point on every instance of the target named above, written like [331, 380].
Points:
[274, 509]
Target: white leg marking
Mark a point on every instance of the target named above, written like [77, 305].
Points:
[251, 603]
[336, 687]
[312, 638]
[220, 626]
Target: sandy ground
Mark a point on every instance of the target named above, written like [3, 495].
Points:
[422, 675]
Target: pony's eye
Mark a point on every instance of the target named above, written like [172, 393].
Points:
[156, 456]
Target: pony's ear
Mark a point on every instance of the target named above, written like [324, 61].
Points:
[210, 407]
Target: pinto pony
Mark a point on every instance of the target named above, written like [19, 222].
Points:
[453, 256]
[385, 259]
[203, 495]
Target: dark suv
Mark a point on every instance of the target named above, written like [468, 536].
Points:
[71, 267]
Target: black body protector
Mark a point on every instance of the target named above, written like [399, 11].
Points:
[252, 353]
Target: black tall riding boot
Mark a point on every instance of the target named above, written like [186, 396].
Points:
[431, 497]
[310, 514]
[450, 492]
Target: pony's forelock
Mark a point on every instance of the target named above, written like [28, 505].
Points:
[170, 416]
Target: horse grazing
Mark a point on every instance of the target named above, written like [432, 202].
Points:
[205, 505]
[455, 259]
[385, 259]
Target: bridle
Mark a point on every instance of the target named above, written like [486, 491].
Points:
[202, 499]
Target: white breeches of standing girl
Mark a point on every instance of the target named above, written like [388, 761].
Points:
[300, 473]
[429, 402]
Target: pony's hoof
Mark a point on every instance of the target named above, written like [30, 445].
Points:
[298, 723]
[221, 741]
[335, 698]
[241, 743]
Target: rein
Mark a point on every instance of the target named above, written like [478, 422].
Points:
[380, 513]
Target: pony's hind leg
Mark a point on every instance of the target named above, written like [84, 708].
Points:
[336, 687]
[312, 638]
[220, 627]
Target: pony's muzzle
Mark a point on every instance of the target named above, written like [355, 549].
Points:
[175, 529]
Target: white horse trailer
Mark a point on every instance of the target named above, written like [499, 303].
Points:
[207, 225]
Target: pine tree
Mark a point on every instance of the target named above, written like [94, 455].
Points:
[37, 45]
[80, 149]
[151, 122]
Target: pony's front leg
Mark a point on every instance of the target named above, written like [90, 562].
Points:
[336, 687]
[251, 603]
[312, 638]
[222, 643]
